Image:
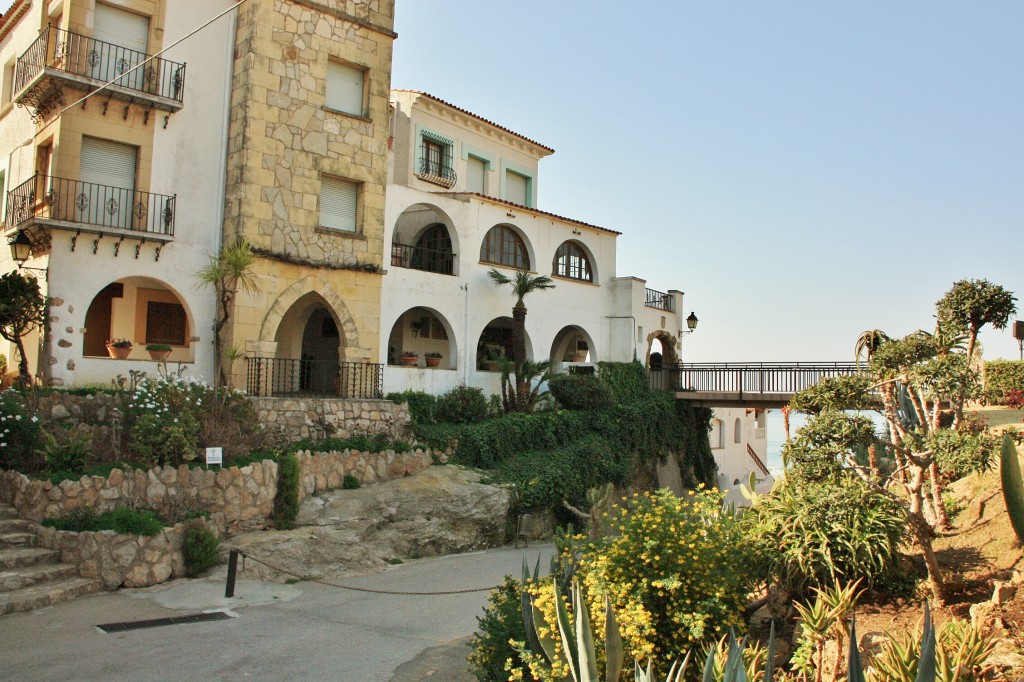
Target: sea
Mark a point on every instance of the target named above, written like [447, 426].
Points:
[777, 434]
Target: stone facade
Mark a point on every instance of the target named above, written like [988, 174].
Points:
[122, 560]
[335, 418]
[283, 141]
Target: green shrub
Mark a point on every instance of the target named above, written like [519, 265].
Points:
[462, 405]
[816, 534]
[1002, 376]
[350, 482]
[199, 549]
[421, 405]
[19, 434]
[628, 381]
[286, 501]
[122, 520]
[66, 454]
[163, 424]
[502, 621]
[580, 392]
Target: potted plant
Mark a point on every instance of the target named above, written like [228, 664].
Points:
[409, 358]
[493, 356]
[433, 358]
[119, 349]
[158, 351]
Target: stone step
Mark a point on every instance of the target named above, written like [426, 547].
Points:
[7, 512]
[46, 594]
[26, 556]
[17, 539]
[26, 576]
[13, 525]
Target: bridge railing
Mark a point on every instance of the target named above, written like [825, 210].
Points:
[746, 377]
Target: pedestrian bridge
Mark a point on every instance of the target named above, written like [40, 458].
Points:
[744, 384]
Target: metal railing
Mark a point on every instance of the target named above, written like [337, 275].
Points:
[757, 460]
[86, 203]
[284, 377]
[89, 58]
[438, 173]
[660, 300]
[419, 258]
[760, 377]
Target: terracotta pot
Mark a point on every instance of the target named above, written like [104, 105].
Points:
[159, 355]
[409, 362]
[432, 362]
[119, 353]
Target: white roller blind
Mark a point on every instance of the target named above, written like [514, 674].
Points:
[118, 27]
[105, 162]
[344, 88]
[338, 204]
[515, 188]
[475, 171]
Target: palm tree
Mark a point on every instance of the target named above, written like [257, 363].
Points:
[228, 272]
[522, 284]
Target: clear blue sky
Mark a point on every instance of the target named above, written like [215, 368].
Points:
[804, 171]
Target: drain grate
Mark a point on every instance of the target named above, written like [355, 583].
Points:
[160, 622]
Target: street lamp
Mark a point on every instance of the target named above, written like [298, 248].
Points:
[21, 251]
[691, 322]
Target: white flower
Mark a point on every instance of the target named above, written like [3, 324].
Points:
[35, 419]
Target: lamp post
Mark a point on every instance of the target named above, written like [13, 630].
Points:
[21, 251]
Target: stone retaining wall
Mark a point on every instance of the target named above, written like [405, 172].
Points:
[319, 418]
[96, 415]
[122, 560]
[240, 498]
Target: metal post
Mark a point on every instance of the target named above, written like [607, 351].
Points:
[229, 589]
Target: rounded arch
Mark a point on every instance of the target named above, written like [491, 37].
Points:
[573, 260]
[423, 330]
[425, 238]
[312, 284]
[737, 429]
[715, 436]
[505, 244]
[143, 310]
[495, 344]
[667, 342]
[573, 344]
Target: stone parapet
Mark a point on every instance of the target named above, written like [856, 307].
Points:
[318, 418]
[323, 471]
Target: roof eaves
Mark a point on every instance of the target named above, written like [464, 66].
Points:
[502, 202]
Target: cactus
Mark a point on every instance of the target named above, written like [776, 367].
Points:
[1013, 486]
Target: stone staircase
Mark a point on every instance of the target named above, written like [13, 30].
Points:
[32, 577]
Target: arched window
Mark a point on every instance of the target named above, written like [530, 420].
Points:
[738, 432]
[433, 251]
[715, 437]
[503, 246]
[571, 261]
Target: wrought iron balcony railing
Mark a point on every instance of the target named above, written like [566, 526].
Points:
[419, 258]
[660, 300]
[437, 173]
[77, 55]
[88, 204]
[283, 377]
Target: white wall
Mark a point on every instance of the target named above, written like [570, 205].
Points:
[734, 463]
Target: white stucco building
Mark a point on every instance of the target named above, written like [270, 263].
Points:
[462, 199]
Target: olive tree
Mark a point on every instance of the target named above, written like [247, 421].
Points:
[22, 309]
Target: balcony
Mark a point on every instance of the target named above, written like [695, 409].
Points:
[420, 258]
[59, 59]
[437, 173]
[660, 300]
[87, 207]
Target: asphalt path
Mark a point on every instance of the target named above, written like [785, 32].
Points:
[304, 631]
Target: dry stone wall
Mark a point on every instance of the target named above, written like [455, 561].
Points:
[334, 418]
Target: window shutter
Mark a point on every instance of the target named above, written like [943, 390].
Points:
[127, 37]
[515, 188]
[338, 204]
[344, 88]
[475, 171]
[105, 162]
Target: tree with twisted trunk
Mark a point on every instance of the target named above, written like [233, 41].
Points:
[523, 284]
[22, 309]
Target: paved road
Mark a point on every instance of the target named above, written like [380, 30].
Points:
[305, 631]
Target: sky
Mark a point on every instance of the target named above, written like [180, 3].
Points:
[803, 171]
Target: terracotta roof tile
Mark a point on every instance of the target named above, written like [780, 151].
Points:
[10, 18]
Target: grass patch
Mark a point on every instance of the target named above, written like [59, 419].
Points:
[120, 520]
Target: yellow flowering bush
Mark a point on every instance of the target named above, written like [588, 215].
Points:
[678, 571]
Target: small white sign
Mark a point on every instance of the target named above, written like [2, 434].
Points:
[215, 456]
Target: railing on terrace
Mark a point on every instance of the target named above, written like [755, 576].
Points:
[747, 378]
[438, 173]
[660, 300]
[89, 58]
[420, 258]
[89, 204]
[283, 377]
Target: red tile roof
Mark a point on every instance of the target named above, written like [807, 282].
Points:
[479, 118]
[16, 11]
[527, 208]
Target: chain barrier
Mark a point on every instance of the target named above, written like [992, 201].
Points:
[360, 589]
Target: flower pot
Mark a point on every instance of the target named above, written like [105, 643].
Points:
[119, 353]
[159, 355]
[432, 362]
[409, 362]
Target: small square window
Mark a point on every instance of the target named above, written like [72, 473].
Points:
[345, 88]
[436, 160]
[339, 203]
